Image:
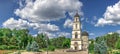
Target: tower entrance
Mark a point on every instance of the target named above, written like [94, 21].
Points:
[76, 46]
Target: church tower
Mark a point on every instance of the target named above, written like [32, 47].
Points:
[76, 41]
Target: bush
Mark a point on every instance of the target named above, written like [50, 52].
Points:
[34, 46]
[116, 52]
[28, 48]
[3, 47]
[51, 48]
[100, 48]
[91, 48]
[12, 47]
[118, 44]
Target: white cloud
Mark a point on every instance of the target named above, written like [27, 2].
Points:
[118, 31]
[47, 10]
[111, 16]
[68, 23]
[66, 34]
[18, 24]
[82, 19]
[44, 27]
[92, 34]
[103, 22]
[23, 24]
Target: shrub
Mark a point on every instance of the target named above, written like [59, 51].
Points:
[34, 46]
[3, 47]
[116, 52]
[91, 48]
[12, 47]
[51, 48]
[117, 45]
[100, 48]
[28, 48]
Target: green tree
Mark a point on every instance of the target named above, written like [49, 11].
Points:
[100, 48]
[6, 32]
[34, 46]
[112, 39]
[66, 43]
[1, 41]
[60, 42]
[40, 39]
[5, 40]
[91, 46]
[28, 48]
[13, 41]
[118, 44]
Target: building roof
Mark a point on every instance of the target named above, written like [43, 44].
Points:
[85, 33]
[76, 15]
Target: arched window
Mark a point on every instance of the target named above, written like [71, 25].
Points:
[76, 26]
[76, 19]
[76, 35]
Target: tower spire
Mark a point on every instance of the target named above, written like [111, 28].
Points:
[77, 15]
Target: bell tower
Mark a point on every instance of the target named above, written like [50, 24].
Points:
[76, 41]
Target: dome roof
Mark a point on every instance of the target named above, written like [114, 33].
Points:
[85, 33]
[76, 15]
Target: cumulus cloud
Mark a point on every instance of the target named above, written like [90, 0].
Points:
[111, 16]
[68, 23]
[44, 27]
[66, 34]
[47, 10]
[18, 24]
[92, 34]
[23, 24]
[118, 31]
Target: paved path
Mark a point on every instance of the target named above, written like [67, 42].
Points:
[57, 52]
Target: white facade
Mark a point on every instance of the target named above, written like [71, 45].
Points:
[78, 41]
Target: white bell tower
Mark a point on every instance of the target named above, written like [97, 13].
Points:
[76, 41]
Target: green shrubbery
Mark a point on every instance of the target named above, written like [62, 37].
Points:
[2, 47]
[5, 47]
[91, 46]
[13, 47]
[100, 48]
[105, 44]
[51, 48]
[32, 47]
[117, 53]
[118, 44]
[20, 39]
[28, 48]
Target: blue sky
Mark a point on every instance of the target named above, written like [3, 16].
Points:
[55, 17]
